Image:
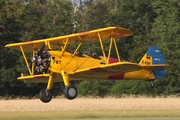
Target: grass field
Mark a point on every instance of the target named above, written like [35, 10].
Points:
[92, 109]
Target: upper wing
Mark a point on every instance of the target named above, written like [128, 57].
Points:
[27, 46]
[89, 36]
[110, 69]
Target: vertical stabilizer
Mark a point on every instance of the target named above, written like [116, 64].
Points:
[152, 57]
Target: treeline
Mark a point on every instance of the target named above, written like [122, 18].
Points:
[154, 22]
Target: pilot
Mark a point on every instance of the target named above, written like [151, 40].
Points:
[95, 55]
[87, 53]
[79, 54]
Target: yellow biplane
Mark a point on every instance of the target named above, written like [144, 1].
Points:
[51, 62]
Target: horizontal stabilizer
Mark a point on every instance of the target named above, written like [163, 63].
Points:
[157, 67]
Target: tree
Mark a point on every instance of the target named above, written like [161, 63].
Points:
[137, 16]
[91, 15]
[153, 23]
[165, 33]
[10, 32]
[94, 87]
[24, 21]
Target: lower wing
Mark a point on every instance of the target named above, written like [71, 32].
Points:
[110, 69]
[41, 78]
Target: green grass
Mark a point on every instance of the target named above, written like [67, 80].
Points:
[93, 115]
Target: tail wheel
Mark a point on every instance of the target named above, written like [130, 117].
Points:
[45, 95]
[152, 84]
[70, 92]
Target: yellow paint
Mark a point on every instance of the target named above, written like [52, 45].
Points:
[90, 36]
[146, 60]
[71, 63]
[65, 78]
[110, 48]
[139, 75]
[102, 47]
[77, 49]
[24, 56]
[50, 81]
[116, 49]
[65, 45]
[67, 66]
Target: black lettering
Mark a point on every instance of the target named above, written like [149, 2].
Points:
[56, 61]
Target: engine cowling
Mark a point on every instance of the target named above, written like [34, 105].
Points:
[42, 62]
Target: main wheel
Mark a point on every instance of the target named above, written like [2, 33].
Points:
[70, 92]
[45, 95]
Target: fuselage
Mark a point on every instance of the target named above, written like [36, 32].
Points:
[69, 63]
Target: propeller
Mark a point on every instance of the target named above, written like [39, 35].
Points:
[34, 60]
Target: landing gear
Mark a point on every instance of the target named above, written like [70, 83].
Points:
[45, 95]
[70, 92]
[152, 84]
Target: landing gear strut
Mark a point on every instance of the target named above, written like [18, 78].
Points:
[45, 95]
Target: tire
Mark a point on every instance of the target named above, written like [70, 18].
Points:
[45, 95]
[152, 84]
[70, 92]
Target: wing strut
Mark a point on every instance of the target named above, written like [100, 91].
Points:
[102, 47]
[110, 48]
[48, 45]
[64, 48]
[77, 48]
[28, 67]
[34, 52]
[114, 40]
